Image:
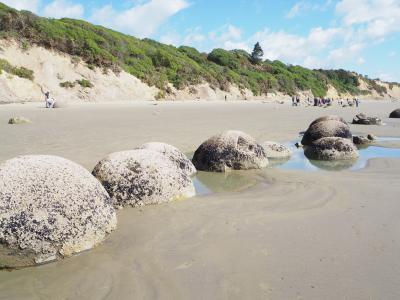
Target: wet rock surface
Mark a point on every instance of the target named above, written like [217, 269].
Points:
[362, 119]
[50, 208]
[395, 113]
[364, 140]
[276, 150]
[326, 128]
[173, 154]
[331, 148]
[142, 177]
[230, 150]
[328, 118]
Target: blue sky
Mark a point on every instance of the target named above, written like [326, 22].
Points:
[359, 35]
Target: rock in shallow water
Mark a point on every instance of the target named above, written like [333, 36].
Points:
[362, 119]
[142, 177]
[395, 113]
[173, 154]
[363, 140]
[276, 150]
[230, 150]
[50, 207]
[331, 148]
[327, 128]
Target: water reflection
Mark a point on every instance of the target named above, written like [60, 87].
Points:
[232, 181]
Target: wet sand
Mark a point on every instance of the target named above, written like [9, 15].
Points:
[283, 234]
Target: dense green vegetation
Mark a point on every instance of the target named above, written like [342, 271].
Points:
[17, 71]
[158, 64]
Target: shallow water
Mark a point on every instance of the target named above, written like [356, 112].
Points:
[299, 161]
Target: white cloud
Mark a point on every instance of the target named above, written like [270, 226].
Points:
[141, 20]
[63, 9]
[298, 49]
[31, 5]
[306, 6]
[226, 33]
[375, 18]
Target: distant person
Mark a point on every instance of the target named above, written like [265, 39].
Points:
[50, 102]
[357, 101]
[297, 101]
[293, 101]
[226, 98]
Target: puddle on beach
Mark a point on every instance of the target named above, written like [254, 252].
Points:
[383, 147]
[207, 183]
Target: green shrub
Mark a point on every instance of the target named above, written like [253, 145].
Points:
[67, 84]
[84, 83]
[21, 72]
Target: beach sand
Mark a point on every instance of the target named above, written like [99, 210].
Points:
[282, 234]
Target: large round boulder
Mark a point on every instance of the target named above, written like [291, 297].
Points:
[50, 208]
[230, 150]
[331, 148]
[362, 119]
[395, 113]
[173, 154]
[276, 151]
[328, 128]
[328, 118]
[142, 177]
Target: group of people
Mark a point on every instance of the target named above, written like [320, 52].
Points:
[326, 101]
[355, 101]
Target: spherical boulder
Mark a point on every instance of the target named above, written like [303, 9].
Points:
[50, 208]
[329, 128]
[142, 177]
[230, 150]
[362, 119]
[276, 151]
[395, 113]
[328, 118]
[173, 154]
[331, 148]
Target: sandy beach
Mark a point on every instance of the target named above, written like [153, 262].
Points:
[267, 234]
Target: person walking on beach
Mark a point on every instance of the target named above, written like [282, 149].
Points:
[357, 101]
[293, 100]
[297, 101]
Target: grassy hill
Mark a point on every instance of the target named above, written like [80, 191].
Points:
[158, 64]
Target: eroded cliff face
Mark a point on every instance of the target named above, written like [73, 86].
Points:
[66, 78]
